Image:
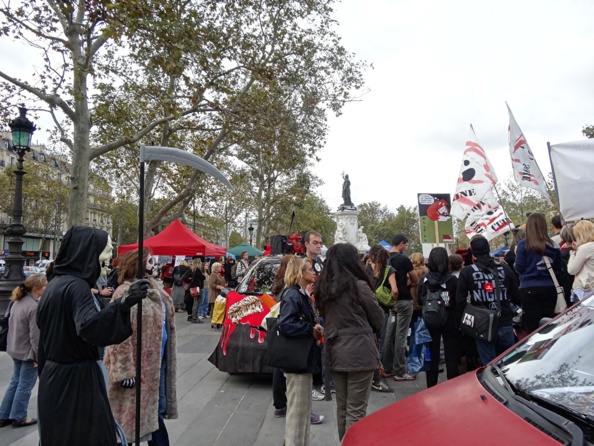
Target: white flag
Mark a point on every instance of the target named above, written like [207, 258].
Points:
[526, 171]
[488, 219]
[476, 178]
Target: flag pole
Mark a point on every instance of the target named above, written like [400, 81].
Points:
[139, 275]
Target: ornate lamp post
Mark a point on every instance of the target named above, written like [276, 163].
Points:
[251, 231]
[22, 130]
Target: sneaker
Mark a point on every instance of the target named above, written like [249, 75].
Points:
[315, 418]
[316, 396]
[405, 377]
[385, 374]
[380, 386]
[323, 390]
[280, 413]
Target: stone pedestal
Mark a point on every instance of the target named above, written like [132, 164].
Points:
[348, 231]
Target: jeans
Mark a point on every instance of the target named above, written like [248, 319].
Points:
[160, 437]
[203, 308]
[16, 399]
[394, 351]
[489, 350]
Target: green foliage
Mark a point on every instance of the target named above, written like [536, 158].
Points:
[380, 224]
[235, 239]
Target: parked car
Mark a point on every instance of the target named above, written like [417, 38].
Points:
[242, 348]
[43, 263]
[539, 392]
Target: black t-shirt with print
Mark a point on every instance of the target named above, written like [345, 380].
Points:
[403, 266]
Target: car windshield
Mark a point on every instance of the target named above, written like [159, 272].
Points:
[259, 278]
[557, 362]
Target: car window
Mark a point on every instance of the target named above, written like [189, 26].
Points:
[259, 278]
[557, 362]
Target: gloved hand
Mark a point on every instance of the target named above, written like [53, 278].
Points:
[137, 291]
[128, 383]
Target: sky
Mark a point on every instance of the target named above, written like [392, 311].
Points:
[441, 66]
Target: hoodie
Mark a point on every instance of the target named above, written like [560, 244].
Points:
[480, 287]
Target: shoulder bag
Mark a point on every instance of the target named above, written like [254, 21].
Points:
[561, 304]
[4, 328]
[287, 353]
[384, 294]
[482, 323]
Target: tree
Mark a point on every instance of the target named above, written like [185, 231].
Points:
[187, 66]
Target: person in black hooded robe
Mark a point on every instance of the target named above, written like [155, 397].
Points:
[73, 407]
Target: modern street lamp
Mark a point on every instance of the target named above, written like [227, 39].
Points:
[22, 130]
[251, 231]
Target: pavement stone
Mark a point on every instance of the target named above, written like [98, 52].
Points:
[218, 409]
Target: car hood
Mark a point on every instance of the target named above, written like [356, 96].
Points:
[460, 411]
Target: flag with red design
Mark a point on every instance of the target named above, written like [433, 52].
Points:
[487, 218]
[526, 171]
[476, 178]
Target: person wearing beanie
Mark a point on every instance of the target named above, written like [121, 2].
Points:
[476, 286]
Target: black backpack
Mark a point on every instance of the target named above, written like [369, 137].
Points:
[434, 311]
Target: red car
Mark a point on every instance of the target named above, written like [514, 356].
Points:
[539, 392]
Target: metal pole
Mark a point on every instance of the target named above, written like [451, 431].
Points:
[139, 275]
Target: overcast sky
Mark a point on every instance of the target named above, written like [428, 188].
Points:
[440, 66]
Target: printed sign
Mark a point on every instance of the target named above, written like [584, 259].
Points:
[435, 221]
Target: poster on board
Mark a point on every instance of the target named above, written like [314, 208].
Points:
[435, 221]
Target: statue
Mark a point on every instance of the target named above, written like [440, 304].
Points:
[340, 236]
[346, 194]
[362, 237]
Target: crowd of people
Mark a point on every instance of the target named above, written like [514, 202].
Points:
[79, 331]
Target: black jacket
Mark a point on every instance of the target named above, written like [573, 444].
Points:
[297, 319]
[477, 285]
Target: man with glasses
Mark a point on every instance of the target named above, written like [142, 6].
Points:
[394, 350]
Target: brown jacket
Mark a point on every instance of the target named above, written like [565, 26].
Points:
[214, 280]
[352, 324]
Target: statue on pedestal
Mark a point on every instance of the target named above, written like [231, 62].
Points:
[346, 194]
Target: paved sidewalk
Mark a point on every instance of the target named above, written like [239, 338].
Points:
[218, 409]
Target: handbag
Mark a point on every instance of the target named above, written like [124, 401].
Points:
[4, 329]
[482, 323]
[195, 291]
[561, 304]
[384, 294]
[287, 353]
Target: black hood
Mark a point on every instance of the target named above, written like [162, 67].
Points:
[485, 262]
[433, 278]
[79, 253]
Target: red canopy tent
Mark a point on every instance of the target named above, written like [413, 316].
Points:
[177, 240]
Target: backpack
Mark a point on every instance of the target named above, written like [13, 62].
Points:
[384, 294]
[234, 271]
[434, 311]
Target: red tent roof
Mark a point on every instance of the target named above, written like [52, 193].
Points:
[177, 240]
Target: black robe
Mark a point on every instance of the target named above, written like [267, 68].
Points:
[72, 399]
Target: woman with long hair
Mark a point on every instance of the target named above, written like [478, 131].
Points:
[439, 279]
[297, 319]
[537, 290]
[159, 357]
[353, 320]
[383, 275]
[581, 261]
[22, 346]
[197, 282]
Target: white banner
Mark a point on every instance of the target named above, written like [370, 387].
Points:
[573, 167]
[488, 219]
[524, 166]
[475, 179]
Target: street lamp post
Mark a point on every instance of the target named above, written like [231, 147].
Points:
[22, 130]
[251, 231]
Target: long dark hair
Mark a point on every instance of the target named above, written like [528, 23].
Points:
[439, 261]
[379, 257]
[537, 236]
[342, 269]
[279, 279]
